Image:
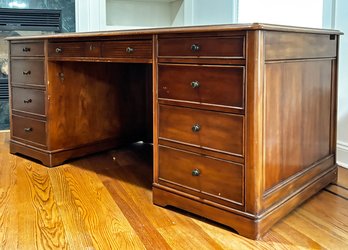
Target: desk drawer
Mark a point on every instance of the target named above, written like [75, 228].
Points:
[219, 85]
[227, 47]
[211, 130]
[74, 49]
[27, 49]
[206, 177]
[27, 71]
[31, 130]
[28, 100]
[127, 49]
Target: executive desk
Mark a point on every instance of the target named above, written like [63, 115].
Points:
[242, 117]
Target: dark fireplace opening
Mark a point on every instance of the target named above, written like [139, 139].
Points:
[21, 22]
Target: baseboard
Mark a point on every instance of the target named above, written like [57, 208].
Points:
[342, 154]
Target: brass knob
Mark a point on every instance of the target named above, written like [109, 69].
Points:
[59, 50]
[196, 128]
[196, 172]
[28, 129]
[28, 101]
[195, 84]
[27, 72]
[195, 47]
[129, 50]
[26, 49]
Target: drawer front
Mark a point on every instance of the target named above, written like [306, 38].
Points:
[29, 129]
[71, 49]
[230, 47]
[204, 175]
[202, 84]
[27, 49]
[29, 71]
[211, 130]
[127, 49]
[28, 100]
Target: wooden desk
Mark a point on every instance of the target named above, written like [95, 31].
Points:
[243, 117]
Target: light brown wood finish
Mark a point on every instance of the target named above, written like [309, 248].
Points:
[104, 202]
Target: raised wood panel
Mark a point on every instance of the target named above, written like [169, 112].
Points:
[297, 113]
[217, 179]
[219, 85]
[282, 45]
[218, 131]
[90, 102]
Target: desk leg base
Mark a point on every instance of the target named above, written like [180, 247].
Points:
[55, 158]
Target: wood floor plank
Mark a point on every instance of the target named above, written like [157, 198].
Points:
[295, 239]
[8, 199]
[104, 201]
[71, 210]
[146, 231]
[342, 179]
[338, 190]
[324, 220]
[135, 176]
[40, 224]
[93, 206]
[139, 207]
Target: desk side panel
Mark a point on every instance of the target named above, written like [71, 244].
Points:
[299, 94]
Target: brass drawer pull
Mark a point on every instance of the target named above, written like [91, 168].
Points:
[28, 101]
[196, 128]
[26, 49]
[196, 172]
[195, 84]
[195, 47]
[27, 72]
[129, 50]
[59, 50]
[28, 130]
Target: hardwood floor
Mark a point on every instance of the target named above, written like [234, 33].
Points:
[104, 202]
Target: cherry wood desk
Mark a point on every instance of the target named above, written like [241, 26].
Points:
[242, 117]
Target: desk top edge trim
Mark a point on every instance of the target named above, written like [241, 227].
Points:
[183, 29]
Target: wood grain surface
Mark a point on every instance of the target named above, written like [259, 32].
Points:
[105, 202]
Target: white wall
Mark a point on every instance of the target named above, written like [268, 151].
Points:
[97, 15]
[87, 15]
[287, 12]
[214, 12]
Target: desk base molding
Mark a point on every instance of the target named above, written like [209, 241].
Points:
[253, 228]
[55, 158]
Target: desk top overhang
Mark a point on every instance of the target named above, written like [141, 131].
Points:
[182, 30]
